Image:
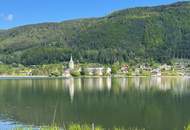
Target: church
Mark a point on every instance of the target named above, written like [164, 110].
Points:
[71, 66]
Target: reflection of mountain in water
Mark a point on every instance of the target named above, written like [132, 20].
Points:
[143, 102]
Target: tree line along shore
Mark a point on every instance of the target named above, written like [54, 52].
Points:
[179, 67]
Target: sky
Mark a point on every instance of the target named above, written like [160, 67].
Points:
[21, 12]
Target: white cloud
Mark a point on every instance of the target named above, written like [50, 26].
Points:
[7, 17]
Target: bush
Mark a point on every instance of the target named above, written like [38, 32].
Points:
[75, 73]
[114, 69]
[55, 74]
[145, 73]
[170, 73]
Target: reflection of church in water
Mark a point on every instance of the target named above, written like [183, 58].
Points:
[75, 85]
[88, 84]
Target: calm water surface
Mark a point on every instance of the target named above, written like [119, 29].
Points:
[150, 103]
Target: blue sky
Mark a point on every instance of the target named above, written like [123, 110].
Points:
[20, 12]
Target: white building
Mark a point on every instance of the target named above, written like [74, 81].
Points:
[156, 72]
[71, 63]
[98, 71]
[71, 66]
[165, 67]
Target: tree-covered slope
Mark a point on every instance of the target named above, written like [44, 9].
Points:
[133, 35]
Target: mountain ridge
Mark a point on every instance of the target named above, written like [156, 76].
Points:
[129, 35]
[78, 19]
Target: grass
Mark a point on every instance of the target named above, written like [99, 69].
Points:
[77, 127]
[188, 127]
[170, 73]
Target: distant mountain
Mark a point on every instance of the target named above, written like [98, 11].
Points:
[143, 34]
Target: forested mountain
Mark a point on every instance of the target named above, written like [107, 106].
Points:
[133, 35]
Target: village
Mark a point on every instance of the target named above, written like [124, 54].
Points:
[179, 69]
[72, 69]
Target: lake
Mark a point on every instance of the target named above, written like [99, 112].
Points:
[156, 103]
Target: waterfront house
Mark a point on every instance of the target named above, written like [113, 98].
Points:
[66, 73]
[124, 69]
[24, 72]
[165, 67]
[108, 71]
[156, 72]
[96, 71]
[93, 71]
[145, 67]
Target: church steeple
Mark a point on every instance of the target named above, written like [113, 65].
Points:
[71, 63]
[71, 58]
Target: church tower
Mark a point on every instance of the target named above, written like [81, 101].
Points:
[71, 63]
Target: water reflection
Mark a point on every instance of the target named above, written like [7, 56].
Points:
[151, 103]
[178, 85]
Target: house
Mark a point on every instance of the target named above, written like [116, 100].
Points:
[156, 72]
[98, 71]
[165, 67]
[93, 71]
[66, 73]
[25, 72]
[137, 71]
[124, 69]
[108, 70]
[145, 67]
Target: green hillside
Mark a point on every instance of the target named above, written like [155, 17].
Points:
[133, 35]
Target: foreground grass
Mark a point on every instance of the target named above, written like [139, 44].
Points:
[76, 127]
[84, 127]
[188, 127]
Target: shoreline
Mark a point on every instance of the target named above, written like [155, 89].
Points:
[21, 77]
[2, 77]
